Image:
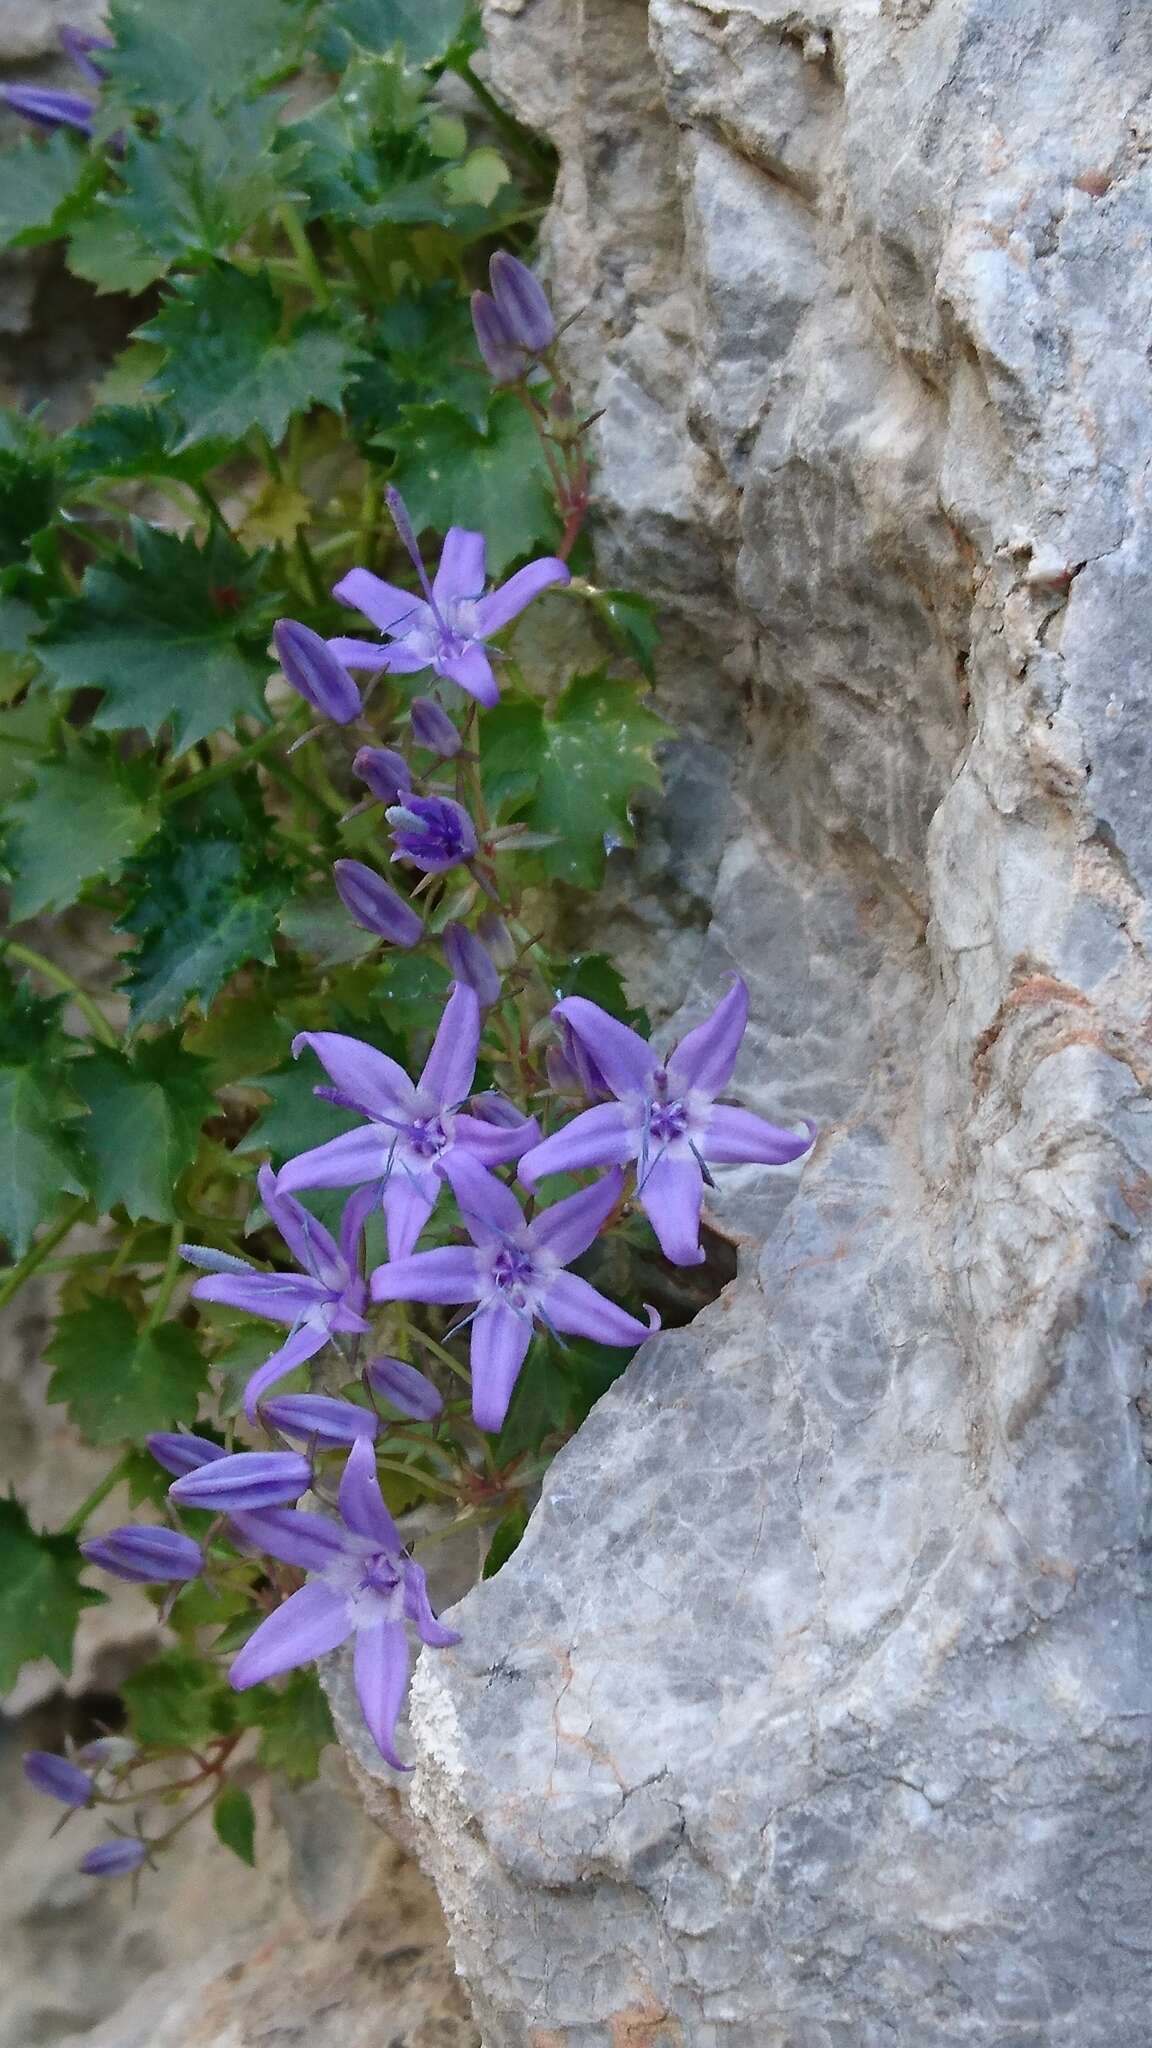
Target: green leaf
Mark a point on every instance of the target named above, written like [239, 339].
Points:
[41, 1597]
[174, 1700]
[207, 911]
[143, 1124]
[108, 251]
[296, 1724]
[428, 29]
[633, 621]
[169, 52]
[197, 189]
[37, 1159]
[234, 1820]
[82, 816]
[136, 440]
[541, 1404]
[227, 368]
[297, 1119]
[43, 186]
[120, 1381]
[170, 638]
[452, 473]
[587, 760]
[420, 347]
[505, 1539]
[593, 976]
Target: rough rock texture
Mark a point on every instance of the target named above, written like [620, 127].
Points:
[813, 1711]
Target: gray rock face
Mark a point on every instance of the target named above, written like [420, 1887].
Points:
[813, 1711]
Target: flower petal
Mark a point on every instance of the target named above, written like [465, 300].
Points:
[461, 572]
[735, 1137]
[489, 1209]
[471, 671]
[626, 1060]
[670, 1194]
[500, 1340]
[495, 1144]
[301, 1345]
[354, 1159]
[577, 1309]
[388, 607]
[309, 1624]
[357, 1210]
[451, 1064]
[293, 1535]
[600, 1136]
[361, 1501]
[446, 1275]
[705, 1057]
[503, 604]
[380, 1667]
[320, 1419]
[368, 654]
[361, 1073]
[244, 1480]
[409, 1200]
[313, 1248]
[418, 1609]
[277, 1297]
[570, 1226]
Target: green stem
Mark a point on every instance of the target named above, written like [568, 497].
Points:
[445, 1357]
[14, 1279]
[168, 1280]
[423, 1479]
[88, 1507]
[539, 154]
[48, 968]
[220, 770]
[297, 234]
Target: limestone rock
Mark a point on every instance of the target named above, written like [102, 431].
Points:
[813, 1710]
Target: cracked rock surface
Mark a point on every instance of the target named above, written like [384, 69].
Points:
[813, 1711]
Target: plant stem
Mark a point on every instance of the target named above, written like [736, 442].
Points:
[297, 234]
[88, 1507]
[168, 1279]
[220, 770]
[423, 1479]
[12, 1281]
[48, 968]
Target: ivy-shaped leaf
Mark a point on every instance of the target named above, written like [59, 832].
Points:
[82, 816]
[427, 29]
[41, 1597]
[177, 1698]
[120, 1381]
[170, 637]
[143, 1123]
[195, 190]
[295, 1721]
[107, 250]
[452, 473]
[169, 52]
[584, 762]
[228, 369]
[136, 440]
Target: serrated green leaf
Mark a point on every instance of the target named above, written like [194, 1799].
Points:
[427, 29]
[420, 347]
[170, 637]
[41, 1597]
[38, 1161]
[197, 189]
[366, 155]
[168, 52]
[136, 440]
[234, 1820]
[594, 752]
[143, 1123]
[43, 186]
[633, 620]
[176, 1699]
[505, 1539]
[227, 368]
[108, 251]
[208, 909]
[119, 1381]
[452, 473]
[81, 817]
[296, 1723]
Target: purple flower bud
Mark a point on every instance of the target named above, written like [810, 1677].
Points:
[386, 773]
[407, 1389]
[50, 109]
[47, 1772]
[247, 1479]
[432, 832]
[108, 1750]
[505, 362]
[118, 1858]
[311, 667]
[145, 1556]
[469, 963]
[367, 897]
[521, 302]
[180, 1453]
[320, 1419]
[432, 728]
[498, 940]
[492, 1108]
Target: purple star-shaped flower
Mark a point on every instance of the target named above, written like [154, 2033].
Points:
[665, 1117]
[448, 628]
[328, 1296]
[515, 1274]
[361, 1584]
[413, 1126]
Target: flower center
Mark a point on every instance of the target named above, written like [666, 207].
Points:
[668, 1117]
[378, 1574]
[514, 1275]
[426, 1137]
